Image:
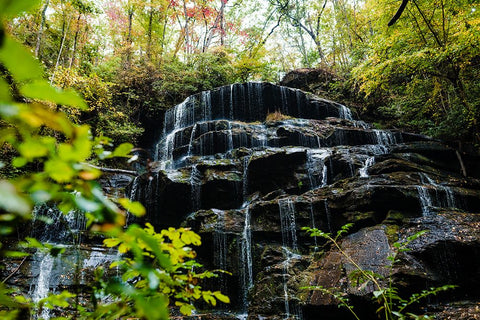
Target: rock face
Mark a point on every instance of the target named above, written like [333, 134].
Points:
[249, 165]
[248, 185]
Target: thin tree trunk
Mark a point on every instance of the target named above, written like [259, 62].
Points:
[129, 35]
[187, 36]
[75, 41]
[40, 30]
[222, 26]
[66, 24]
[149, 32]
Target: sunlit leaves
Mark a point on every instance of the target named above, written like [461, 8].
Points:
[135, 208]
[162, 267]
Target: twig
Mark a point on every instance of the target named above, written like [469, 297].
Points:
[111, 170]
[15, 271]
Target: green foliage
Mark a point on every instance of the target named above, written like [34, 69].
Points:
[158, 269]
[392, 306]
[421, 68]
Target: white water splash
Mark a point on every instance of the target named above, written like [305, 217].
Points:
[42, 287]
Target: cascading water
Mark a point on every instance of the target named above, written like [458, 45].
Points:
[288, 226]
[220, 141]
[316, 167]
[425, 200]
[220, 247]
[246, 272]
[245, 102]
[289, 246]
[42, 286]
[444, 195]
[345, 113]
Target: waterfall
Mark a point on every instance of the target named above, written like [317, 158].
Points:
[289, 247]
[375, 150]
[232, 86]
[220, 247]
[316, 167]
[345, 113]
[449, 195]
[229, 137]
[192, 137]
[42, 287]
[246, 259]
[368, 163]
[287, 221]
[443, 199]
[132, 196]
[247, 102]
[206, 105]
[385, 138]
[425, 200]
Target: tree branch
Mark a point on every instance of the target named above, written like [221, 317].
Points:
[398, 14]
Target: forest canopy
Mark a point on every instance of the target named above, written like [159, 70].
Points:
[132, 59]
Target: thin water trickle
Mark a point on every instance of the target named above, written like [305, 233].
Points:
[368, 163]
[328, 215]
[312, 218]
[246, 258]
[425, 200]
[289, 244]
[288, 225]
[196, 184]
[220, 247]
[246, 161]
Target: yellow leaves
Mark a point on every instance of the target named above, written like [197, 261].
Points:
[185, 308]
[134, 207]
[59, 170]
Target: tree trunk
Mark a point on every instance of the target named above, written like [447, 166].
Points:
[149, 33]
[129, 35]
[40, 30]
[75, 41]
[66, 24]
[187, 36]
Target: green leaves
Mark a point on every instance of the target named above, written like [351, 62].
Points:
[18, 60]
[163, 269]
[135, 208]
[12, 8]
[42, 90]
[12, 201]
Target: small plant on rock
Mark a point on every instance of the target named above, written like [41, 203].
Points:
[385, 293]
